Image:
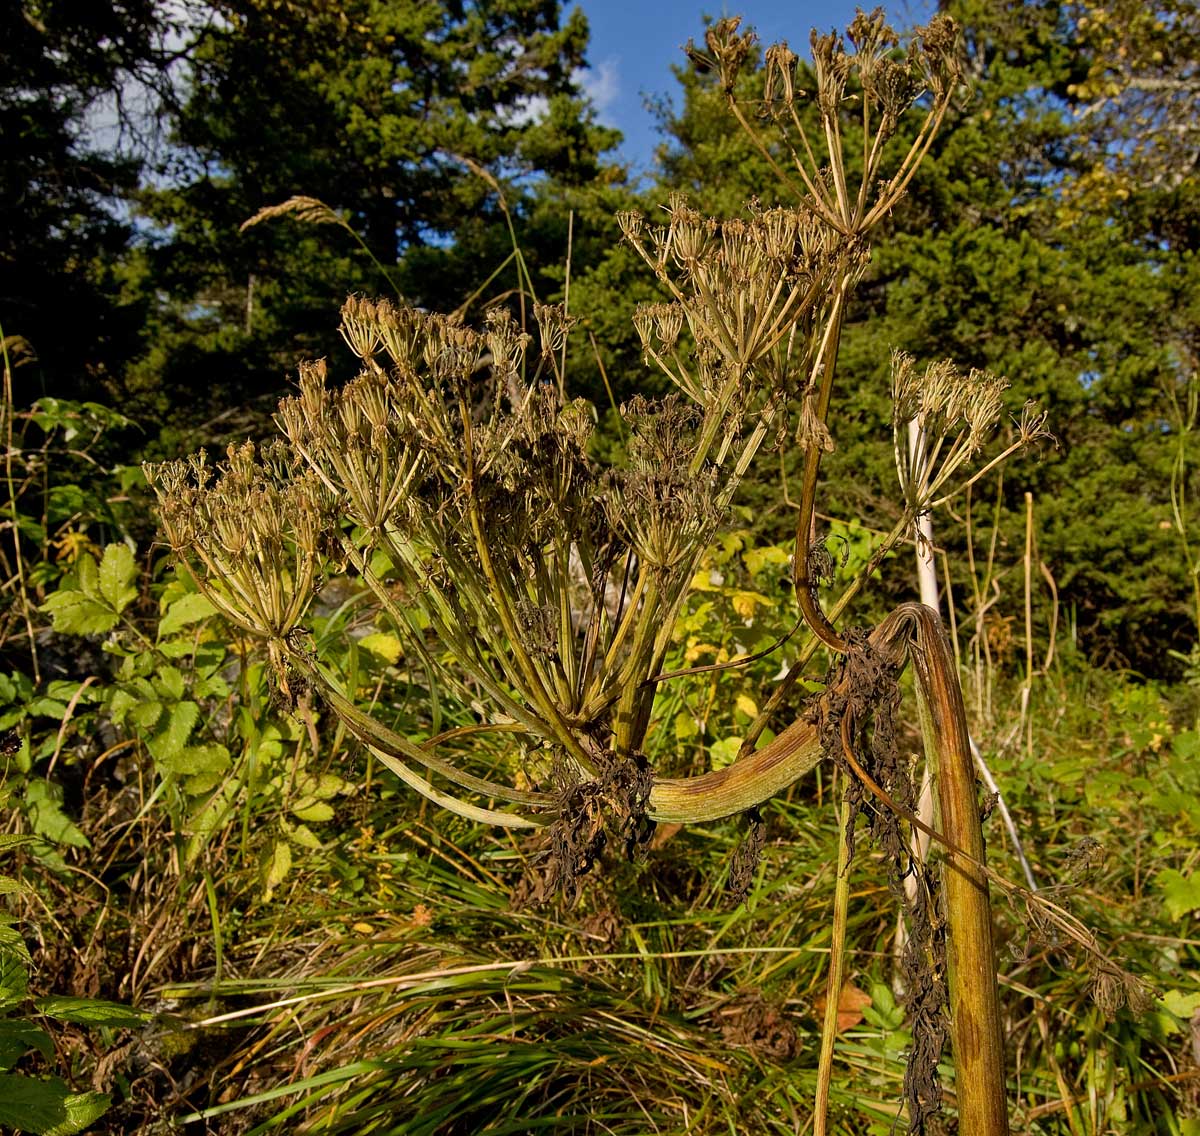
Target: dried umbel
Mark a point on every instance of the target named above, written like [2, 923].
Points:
[664, 507]
[875, 82]
[249, 530]
[941, 418]
[357, 441]
[740, 286]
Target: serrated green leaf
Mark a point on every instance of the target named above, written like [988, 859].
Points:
[47, 708]
[214, 686]
[12, 717]
[198, 784]
[87, 577]
[183, 612]
[43, 801]
[9, 886]
[75, 613]
[118, 573]
[14, 967]
[18, 1037]
[314, 812]
[120, 702]
[169, 683]
[146, 714]
[47, 1107]
[172, 737]
[191, 760]
[89, 1011]
[8, 690]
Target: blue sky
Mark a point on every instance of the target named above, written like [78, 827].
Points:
[635, 44]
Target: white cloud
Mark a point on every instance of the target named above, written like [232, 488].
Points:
[601, 84]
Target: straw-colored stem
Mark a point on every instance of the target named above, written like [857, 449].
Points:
[837, 966]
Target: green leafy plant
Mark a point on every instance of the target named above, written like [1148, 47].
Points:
[43, 1105]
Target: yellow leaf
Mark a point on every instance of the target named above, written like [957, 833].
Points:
[744, 603]
[363, 928]
[695, 650]
[386, 646]
[746, 705]
[275, 868]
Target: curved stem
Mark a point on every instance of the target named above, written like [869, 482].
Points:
[803, 581]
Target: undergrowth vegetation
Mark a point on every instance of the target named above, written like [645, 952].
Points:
[303, 951]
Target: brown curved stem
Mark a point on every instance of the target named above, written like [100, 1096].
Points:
[803, 579]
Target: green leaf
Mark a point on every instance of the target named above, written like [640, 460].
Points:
[324, 786]
[312, 811]
[1181, 894]
[305, 837]
[169, 683]
[18, 1037]
[75, 613]
[14, 967]
[118, 573]
[43, 800]
[146, 714]
[47, 708]
[1181, 1004]
[723, 752]
[172, 737]
[47, 1107]
[87, 578]
[89, 1011]
[685, 726]
[186, 610]
[214, 686]
[194, 759]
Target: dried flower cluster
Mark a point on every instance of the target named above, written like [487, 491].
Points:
[251, 532]
[955, 414]
[872, 77]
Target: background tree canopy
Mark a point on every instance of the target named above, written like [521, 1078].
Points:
[1050, 237]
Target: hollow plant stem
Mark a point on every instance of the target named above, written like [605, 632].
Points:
[975, 1025]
